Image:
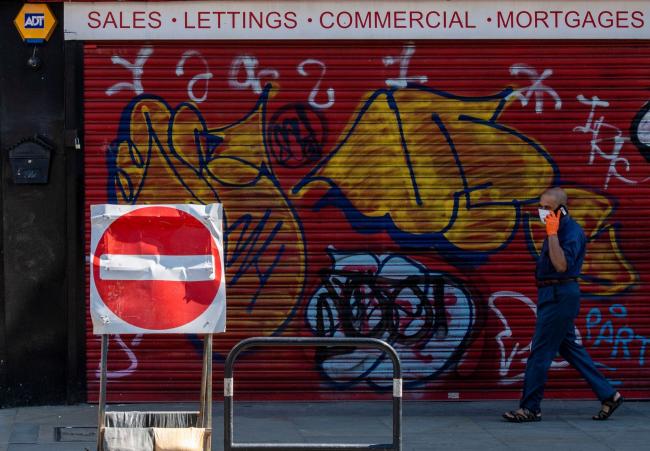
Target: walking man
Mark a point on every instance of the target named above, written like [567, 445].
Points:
[558, 304]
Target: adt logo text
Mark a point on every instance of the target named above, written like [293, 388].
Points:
[35, 20]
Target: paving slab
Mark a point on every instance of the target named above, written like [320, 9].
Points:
[24, 433]
[426, 425]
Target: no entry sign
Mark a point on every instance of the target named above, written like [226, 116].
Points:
[157, 269]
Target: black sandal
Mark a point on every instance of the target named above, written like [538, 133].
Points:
[522, 416]
[608, 408]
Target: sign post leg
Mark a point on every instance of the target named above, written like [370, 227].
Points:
[205, 414]
[208, 392]
[204, 366]
[101, 410]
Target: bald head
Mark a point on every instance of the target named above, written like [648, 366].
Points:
[553, 198]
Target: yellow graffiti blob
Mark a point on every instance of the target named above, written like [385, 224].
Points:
[605, 271]
[437, 164]
[171, 156]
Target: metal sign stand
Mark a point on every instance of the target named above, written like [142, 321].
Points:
[204, 420]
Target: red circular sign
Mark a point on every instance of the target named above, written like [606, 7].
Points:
[157, 304]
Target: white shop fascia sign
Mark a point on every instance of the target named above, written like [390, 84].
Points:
[380, 19]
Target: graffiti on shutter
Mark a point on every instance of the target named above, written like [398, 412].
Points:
[353, 174]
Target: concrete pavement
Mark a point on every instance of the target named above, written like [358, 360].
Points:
[567, 425]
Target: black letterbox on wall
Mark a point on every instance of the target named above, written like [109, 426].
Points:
[30, 160]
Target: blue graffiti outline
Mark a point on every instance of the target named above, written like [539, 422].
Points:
[435, 240]
[246, 221]
[407, 153]
[124, 136]
[111, 159]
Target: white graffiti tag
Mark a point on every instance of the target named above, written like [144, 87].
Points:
[204, 76]
[514, 349]
[130, 355]
[537, 89]
[314, 92]
[607, 147]
[136, 68]
[404, 60]
[253, 76]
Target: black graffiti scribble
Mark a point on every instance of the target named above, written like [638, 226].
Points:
[641, 126]
[367, 306]
[408, 312]
[297, 134]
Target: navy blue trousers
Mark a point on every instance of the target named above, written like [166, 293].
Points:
[557, 308]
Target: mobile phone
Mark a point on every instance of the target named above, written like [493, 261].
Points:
[562, 209]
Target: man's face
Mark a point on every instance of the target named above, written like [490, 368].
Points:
[547, 202]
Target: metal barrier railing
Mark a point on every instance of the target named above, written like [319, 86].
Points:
[228, 388]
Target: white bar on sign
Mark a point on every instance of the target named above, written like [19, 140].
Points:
[179, 268]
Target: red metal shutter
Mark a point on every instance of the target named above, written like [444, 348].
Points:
[354, 173]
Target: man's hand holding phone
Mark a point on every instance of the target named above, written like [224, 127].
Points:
[553, 222]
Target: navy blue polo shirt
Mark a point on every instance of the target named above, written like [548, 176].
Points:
[574, 244]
